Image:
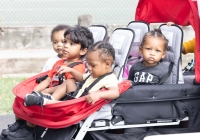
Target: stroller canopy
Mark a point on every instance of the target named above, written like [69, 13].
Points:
[182, 12]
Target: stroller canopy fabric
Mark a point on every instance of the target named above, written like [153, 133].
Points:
[59, 115]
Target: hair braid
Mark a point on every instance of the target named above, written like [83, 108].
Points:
[105, 49]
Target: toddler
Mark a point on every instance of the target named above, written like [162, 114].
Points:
[57, 39]
[151, 70]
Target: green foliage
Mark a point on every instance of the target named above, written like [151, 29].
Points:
[6, 94]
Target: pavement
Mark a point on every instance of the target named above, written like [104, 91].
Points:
[4, 121]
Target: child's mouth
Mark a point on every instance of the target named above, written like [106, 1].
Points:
[65, 52]
[151, 58]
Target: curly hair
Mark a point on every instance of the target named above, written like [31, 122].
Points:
[156, 33]
[59, 27]
[80, 35]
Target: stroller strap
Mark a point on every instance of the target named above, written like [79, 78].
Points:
[86, 90]
[61, 77]
[167, 74]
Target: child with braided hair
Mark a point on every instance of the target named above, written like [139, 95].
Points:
[99, 59]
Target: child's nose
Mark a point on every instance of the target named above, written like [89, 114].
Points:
[60, 44]
[152, 52]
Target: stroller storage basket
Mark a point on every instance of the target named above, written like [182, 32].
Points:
[158, 103]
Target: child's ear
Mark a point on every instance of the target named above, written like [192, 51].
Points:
[83, 51]
[108, 63]
[140, 49]
[164, 54]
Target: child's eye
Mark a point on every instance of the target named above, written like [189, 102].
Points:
[64, 41]
[148, 49]
[157, 50]
[71, 43]
[92, 66]
[54, 42]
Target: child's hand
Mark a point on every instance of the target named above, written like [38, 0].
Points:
[63, 69]
[92, 97]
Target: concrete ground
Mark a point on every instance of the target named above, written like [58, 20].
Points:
[5, 120]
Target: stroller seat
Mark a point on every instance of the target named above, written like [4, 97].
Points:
[99, 32]
[174, 34]
[122, 40]
[140, 28]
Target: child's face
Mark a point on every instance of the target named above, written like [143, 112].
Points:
[153, 51]
[58, 40]
[96, 66]
[72, 50]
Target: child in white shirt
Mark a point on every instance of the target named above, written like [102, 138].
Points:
[57, 39]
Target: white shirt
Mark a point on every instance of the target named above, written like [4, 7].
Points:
[50, 62]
